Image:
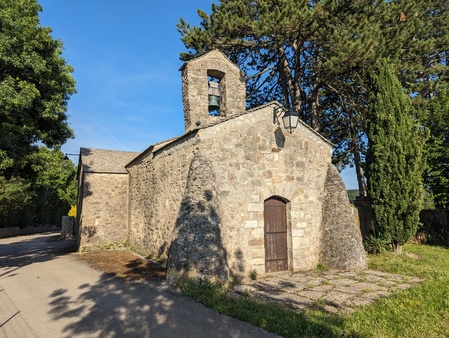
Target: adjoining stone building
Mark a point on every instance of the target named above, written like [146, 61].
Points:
[102, 208]
[233, 195]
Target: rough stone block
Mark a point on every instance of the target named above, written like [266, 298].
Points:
[257, 262]
[254, 198]
[277, 180]
[303, 243]
[302, 225]
[298, 233]
[295, 214]
[251, 224]
[269, 157]
[255, 207]
[257, 233]
[256, 242]
[267, 174]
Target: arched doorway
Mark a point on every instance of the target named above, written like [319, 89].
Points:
[275, 234]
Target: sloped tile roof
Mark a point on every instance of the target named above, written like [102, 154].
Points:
[105, 161]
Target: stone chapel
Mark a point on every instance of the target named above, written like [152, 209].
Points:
[235, 194]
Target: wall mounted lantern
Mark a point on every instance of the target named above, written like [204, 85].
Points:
[290, 118]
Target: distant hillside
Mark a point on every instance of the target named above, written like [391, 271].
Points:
[352, 194]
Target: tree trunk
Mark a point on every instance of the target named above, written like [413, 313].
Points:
[397, 248]
[284, 85]
[286, 77]
[314, 118]
[359, 169]
[297, 99]
[360, 173]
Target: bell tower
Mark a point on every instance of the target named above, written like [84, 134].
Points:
[213, 89]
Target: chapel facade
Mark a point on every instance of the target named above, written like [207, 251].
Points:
[236, 193]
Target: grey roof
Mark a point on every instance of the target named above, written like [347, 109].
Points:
[105, 161]
[216, 51]
[151, 149]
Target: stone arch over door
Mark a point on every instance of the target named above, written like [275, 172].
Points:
[275, 234]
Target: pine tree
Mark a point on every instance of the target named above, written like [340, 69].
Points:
[395, 161]
[313, 56]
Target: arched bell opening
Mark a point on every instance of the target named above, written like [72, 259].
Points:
[215, 92]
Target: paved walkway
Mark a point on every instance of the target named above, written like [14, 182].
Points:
[46, 293]
[331, 291]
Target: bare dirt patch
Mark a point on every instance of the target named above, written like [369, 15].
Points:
[124, 264]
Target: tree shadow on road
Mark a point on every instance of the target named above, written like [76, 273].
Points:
[114, 308]
[18, 252]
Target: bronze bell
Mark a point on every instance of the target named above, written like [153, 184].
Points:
[213, 102]
[214, 96]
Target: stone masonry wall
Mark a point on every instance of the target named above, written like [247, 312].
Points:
[104, 217]
[197, 250]
[200, 200]
[157, 188]
[342, 246]
[254, 160]
[248, 160]
[195, 89]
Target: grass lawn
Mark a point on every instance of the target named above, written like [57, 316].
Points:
[422, 311]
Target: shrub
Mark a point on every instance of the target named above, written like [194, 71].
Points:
[321, 267]
[376, 245]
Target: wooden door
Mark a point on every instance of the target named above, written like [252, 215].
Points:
[275, 219]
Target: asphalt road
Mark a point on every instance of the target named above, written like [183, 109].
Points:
[45, 292]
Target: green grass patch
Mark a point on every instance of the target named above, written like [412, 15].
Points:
[416, 260]
[420, 311]
[268, 316]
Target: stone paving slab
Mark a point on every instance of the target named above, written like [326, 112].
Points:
[332, 291]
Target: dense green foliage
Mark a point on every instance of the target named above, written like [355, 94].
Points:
[352, 194]
[376, 244]
[314, 56]
[395, 161]
[437, 149]
[44, 196]
[35, 85]
[393, 316]
[15, 199]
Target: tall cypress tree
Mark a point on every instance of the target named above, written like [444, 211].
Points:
[395, 161]
[437, 149]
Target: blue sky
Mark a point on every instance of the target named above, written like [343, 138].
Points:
[126, 62]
